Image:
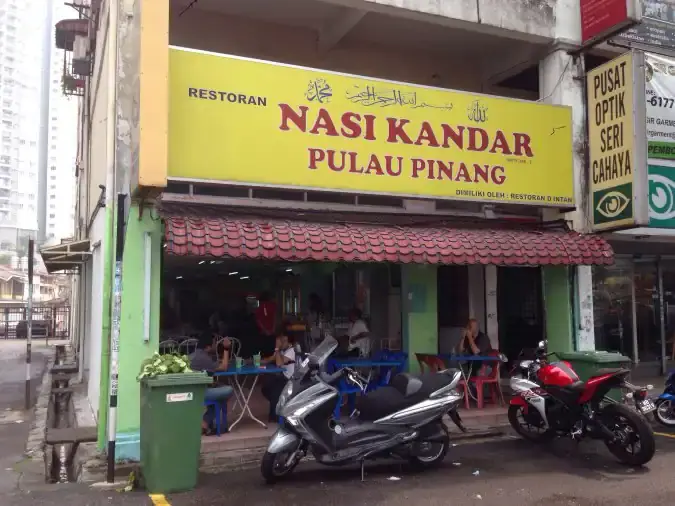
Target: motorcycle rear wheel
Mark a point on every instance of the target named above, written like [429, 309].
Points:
[665, 412]
[433, 456]
[536, 437]
[630, 427]
[273, 467]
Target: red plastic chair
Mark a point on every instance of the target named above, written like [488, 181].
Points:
[421, 360]
[491, 379]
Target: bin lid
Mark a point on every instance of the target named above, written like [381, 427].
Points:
[595, 357]
[186, 378]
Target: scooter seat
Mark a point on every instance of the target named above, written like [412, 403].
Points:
[405, 390]
[407, 384]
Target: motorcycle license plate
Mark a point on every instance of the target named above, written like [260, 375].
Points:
[646, 406]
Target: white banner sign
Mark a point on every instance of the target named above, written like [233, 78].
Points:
[660, 90]
[182, 397]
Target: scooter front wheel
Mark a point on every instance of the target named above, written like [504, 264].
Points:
[665, 412]
[277, 466]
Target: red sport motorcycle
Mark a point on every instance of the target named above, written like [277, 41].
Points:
[551, 401]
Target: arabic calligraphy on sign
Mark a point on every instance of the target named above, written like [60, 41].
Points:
[385, 97]
[477, 112]
[319, 90]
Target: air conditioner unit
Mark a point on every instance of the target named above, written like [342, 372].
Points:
[81, 61]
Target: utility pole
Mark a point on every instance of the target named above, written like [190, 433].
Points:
[115, 336]
[29, 320]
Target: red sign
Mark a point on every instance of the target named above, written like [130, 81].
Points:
[603, 17]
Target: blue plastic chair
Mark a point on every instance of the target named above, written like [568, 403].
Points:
[220, 414]
[344, 388]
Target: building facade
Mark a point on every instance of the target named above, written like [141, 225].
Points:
[205, 190]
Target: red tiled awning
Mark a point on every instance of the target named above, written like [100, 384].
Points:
[296, 241]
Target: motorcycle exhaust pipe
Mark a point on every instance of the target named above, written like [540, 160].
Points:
[454, 416]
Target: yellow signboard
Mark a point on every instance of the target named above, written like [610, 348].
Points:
[617, 143]
[249, 122]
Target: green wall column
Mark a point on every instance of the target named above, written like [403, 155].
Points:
[420, 311]
[104, 379]
[133, 348]
[559, 309]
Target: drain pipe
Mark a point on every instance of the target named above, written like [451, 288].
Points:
[111, 131]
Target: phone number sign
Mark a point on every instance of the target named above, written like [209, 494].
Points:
[660, 98]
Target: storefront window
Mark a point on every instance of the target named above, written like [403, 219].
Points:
[647, 311]
[612, 306]
[669, 305]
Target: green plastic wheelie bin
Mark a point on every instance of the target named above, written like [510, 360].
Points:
[588, 363]
[172, 406]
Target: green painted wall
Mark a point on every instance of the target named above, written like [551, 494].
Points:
[420, 311]
[559, 309]
[133, 350]
[105, 332]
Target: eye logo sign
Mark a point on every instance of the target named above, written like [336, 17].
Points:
[661, 197]
[612, 204]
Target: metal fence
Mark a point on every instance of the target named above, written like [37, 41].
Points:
[48, 321]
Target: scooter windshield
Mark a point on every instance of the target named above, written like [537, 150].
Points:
[319, 355]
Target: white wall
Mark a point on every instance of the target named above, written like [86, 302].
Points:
[256, 39]
[531, 19]
[491, 305]
[477, 295]
[93, 338]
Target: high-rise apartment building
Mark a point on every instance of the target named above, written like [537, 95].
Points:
[56, 218]
[20, 101]
[37, 144]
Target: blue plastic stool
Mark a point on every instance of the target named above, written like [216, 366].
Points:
[220, 414]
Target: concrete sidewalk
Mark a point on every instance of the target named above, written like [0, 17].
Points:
[15, 423]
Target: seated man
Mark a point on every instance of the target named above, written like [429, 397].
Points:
[474, 342]
[358, 334]
[201, 360]
[284, 357]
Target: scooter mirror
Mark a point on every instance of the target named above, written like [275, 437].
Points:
[503, 358]
[542, 345]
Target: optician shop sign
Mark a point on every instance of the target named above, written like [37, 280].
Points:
[617, 144]
[249, 122]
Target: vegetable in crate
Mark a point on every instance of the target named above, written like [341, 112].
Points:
[164, 364]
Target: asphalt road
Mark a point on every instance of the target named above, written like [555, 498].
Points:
[508, 471]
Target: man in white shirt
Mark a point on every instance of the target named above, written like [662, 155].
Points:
[358, 333]
[284, 358]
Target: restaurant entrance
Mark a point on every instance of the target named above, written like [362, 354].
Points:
[308, 299]
[414, 286]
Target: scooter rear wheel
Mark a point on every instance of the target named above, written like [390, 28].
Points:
[274, 466]
[429, 454]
